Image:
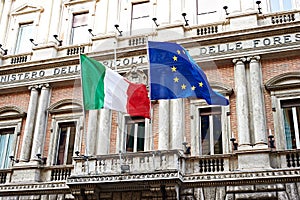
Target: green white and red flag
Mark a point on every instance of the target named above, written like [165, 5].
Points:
[105, 88]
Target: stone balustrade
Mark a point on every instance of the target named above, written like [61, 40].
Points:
[141, 162]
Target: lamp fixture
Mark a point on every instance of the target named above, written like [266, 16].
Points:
[186, 21]
[258, 6]
[90, 30]
[225, 8]
[32, 41]
[117, 27]
[154, 20]
[4, 50]
[42, 160]
[187, 149]
[59, 41]
[12, 158]
[234, 144]
[271, 141]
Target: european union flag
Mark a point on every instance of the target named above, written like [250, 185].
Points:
[174, 74]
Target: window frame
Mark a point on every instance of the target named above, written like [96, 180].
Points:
[20, 40]
[281, 6]
[64, 111]
[138, 31]
[122, 133]
[195, 106]
[211, 132]
[71, 38]
[282, 87]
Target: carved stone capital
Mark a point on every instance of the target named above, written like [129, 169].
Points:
[33, 87]
[44, 86]
[236, 60]
[253, 58]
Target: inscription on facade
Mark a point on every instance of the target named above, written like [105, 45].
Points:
[39, 74]
[250, 44]
[123, 62]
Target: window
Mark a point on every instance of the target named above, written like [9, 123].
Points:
[79, 33]
[6, 142]
[280, 5]
[24, 34]
[291, 116]
[140, 18]
[66, 139]
[135, 134]
[207, 11]
[210, 131]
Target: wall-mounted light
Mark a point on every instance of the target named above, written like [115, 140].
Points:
[234, 144]
[154, 20]
[258, 6]
[225, 8]
[187, 149]
[59, 41]
[186, 21]
[4, 50]
[12, 158]
[42, 160]
[90, 31]
[271, 141]
[32, 41]
[117, 27]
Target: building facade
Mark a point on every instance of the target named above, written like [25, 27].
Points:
[50, 148]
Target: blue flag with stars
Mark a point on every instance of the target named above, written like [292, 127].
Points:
[174, 74]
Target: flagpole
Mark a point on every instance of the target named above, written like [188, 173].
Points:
[149, 84]
[83, 109]
[115, 54]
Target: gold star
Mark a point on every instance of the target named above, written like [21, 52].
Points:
[176, 79]
[183, 86]
[174, 69]
[193, 88]
[174, 58]
[178, 51]
[200, 84]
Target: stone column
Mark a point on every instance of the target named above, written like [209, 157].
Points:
[29, 125]
[103, 135]
[40, 123]
[257, 102]
[91, 135]
[242, 110]
[177, 123]
[164, 125]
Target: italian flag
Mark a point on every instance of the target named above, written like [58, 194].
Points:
[105, 88]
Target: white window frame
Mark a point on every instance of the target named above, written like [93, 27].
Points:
[71, 40]
[281, 6]
[16, 125]
[195, 106]
[279, 123]
[55, 133]
[280, 89]
[147, 26]
[59, 127]
[122, 135]
[210, 16]
[211, 132]
[23, 44]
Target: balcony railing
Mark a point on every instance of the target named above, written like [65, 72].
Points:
[56, 173]
[278, 18]
[5, 176]
[141, 162]
[286, 159]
